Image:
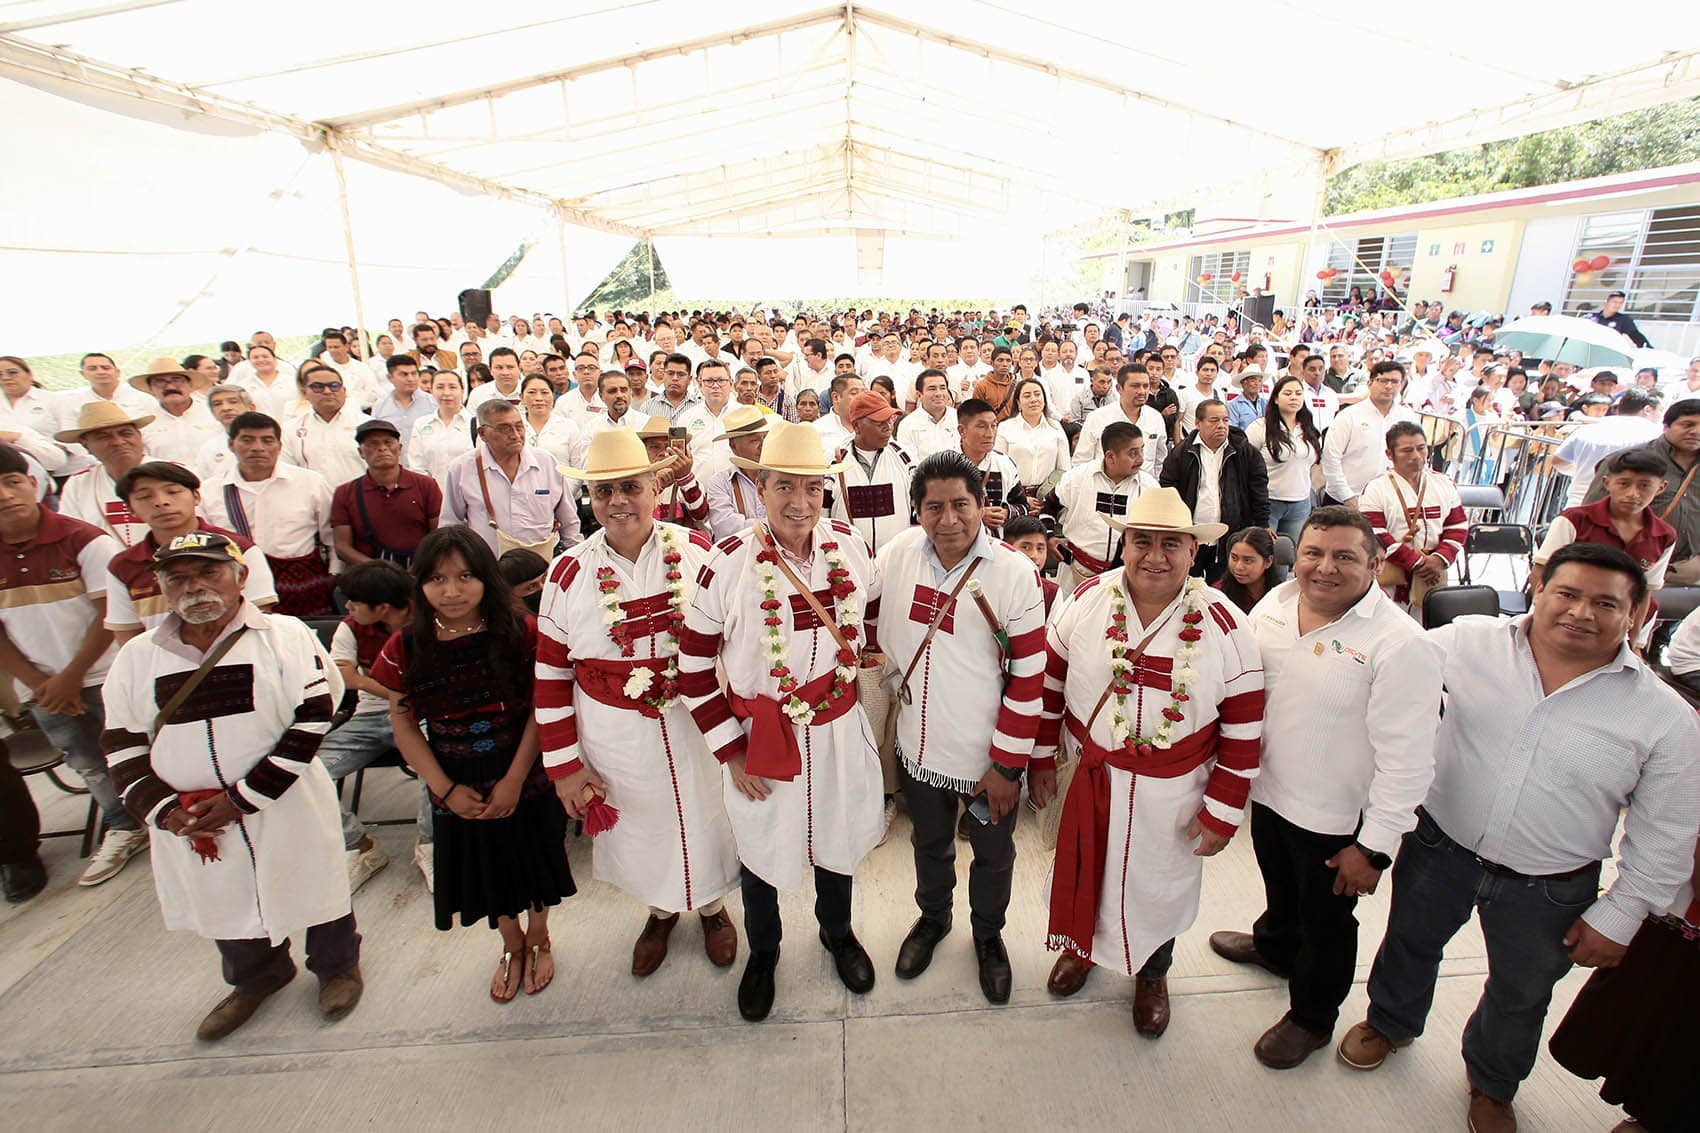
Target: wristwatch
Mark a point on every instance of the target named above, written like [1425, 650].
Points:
[1375, 858]
[1013, 774]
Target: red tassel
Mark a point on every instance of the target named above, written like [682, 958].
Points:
[599, 817]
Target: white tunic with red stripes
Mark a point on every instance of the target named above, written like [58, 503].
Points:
[962, 714]
[831, 814]
[1389, 502]
[672, 847]
[1151, 879]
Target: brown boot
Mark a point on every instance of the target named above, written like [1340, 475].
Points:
[1150, 1006]
[1490, 1116]
[237, 1008]
[1365, 1048]
[1068, 974]
[339, 994]
[719, 939]
[1287, 1044]
[651, 946]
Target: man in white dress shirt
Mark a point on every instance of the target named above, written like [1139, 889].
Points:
[1355, 450]
[833, 424]
[182, 426]
[321, 437]
[357, 377]
[932, 427]
[1553, 729]
[102, 375]
[1133, 386]
[504, 369]
[1348, 754]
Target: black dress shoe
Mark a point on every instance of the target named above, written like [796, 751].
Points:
[917, 950]
[755, 990]
[994, 968]
[851, 960]
[24, 879]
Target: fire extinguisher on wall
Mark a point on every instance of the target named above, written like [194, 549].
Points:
[1447, 277]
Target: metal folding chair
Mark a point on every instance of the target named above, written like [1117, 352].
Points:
[1514, 541]
[32, 753]
[1444, 604]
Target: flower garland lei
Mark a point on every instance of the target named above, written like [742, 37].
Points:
[1122, 665]
[643, 679]
[849, 615]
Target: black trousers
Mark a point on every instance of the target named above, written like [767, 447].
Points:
[251, 965]
[762, 926]
[933, 811]
[1157, 965]
[20, 822]
[1306, 930]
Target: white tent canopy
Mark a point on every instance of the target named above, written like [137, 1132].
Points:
[166, 132]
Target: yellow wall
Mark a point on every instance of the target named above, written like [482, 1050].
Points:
[1281, 260]
[1484, 266]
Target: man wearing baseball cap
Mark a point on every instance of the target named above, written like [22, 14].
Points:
[386, 512]
[213, 721]
[872, 490]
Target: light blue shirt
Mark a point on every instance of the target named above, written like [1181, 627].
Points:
[388, 409]
[1241, 412]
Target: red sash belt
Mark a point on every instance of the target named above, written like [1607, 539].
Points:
[605, 682]
[1095, 566]
[1083, 835]
[772, 752]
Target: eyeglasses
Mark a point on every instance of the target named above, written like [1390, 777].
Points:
[324, 387]
[714, 381]
[516, 429]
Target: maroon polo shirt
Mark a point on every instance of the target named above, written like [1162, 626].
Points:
[400, 516]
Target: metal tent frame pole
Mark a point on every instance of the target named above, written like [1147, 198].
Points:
[361, 329]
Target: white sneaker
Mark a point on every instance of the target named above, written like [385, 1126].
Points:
[362, 864]
[117, 848]
[423, 858]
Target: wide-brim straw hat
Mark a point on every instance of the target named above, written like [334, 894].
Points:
[1164, 510]
[166, 368]
[655, 426]
[793, 449]
[745, 421]
[100, 414]
[614, 454]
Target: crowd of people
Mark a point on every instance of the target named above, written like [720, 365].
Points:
[723, 589]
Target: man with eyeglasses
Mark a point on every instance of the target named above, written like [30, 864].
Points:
[704, 421]
[511, 493]
[321, 437]
[582, 403]
[677, 394]
[1355, 450]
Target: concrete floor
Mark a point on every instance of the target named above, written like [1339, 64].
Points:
[98, 1006]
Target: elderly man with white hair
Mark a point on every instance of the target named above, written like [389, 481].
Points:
[213, 721]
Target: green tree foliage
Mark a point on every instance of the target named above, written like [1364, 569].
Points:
[628, 285]
[1622, 143]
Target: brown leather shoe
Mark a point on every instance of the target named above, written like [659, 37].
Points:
[1150, 1007]
[719, 939]
[1241, 948]
[237, 1008]
[339, 994]
[651, 946]
[1068, 974]
[1365, 1048]
[1490, 1116]
[1287, 1044]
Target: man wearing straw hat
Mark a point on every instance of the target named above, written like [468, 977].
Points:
[963, 620]
[1157, 682]
[784, 607]
[610, 718]
[114, 438]
[183, 425]
[734, 498]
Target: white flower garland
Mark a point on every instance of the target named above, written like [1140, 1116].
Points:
[1122, 665]
[642, 678]
[848, 616]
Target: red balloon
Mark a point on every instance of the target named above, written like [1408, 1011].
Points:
[1387, 277]
[1235, 277]
[1323, 274]
[1206, 278]
[1600, 263]
[1581, 266]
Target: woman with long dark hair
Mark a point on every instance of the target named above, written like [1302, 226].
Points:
[1251, 567]
[1291, 447]
[464, 666]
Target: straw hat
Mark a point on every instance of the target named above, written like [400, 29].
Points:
[792, 448]
[100, 414]
[1164, 510]
[165, 368]
[745, 421]
[653, 427]
[613, 454]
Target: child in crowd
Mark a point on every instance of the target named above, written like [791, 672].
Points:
[526, 571]
[464, 666]
[1026, 533]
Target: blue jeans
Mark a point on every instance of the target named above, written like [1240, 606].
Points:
[78, 737]
[1287, 517]
[354, 745]
[1436, 886]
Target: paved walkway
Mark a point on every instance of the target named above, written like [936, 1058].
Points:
[98, 1006]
